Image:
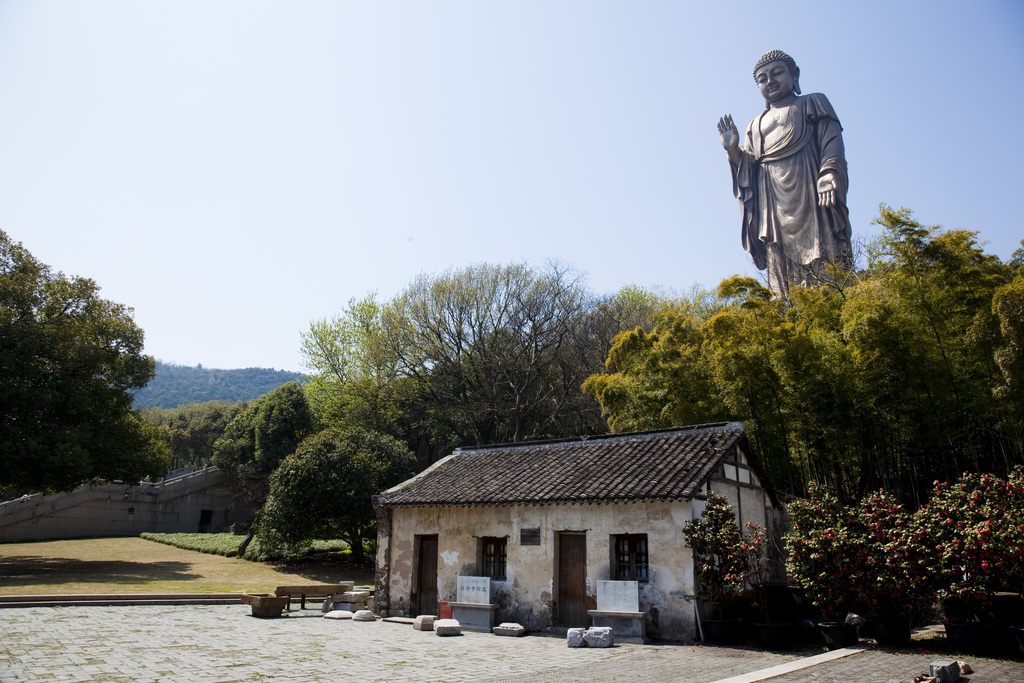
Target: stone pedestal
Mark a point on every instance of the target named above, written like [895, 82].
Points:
[618, 608]
[472, 608]
[473, 616]
[629, 627]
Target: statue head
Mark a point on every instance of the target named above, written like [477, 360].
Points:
[770, 64]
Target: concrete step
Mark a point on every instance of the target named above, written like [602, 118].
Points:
[115, 599]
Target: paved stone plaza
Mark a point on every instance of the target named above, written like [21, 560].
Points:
[224, 643]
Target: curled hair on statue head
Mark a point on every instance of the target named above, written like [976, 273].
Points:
[780, 56]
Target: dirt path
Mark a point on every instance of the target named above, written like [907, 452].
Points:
[134, 565]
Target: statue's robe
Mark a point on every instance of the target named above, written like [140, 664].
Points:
[786, 150]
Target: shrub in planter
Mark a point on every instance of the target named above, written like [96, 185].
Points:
[828, 553]
[975, 530]
[870, 558]
[899, 566]
[719, 563]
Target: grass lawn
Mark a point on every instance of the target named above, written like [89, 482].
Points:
[134, 565]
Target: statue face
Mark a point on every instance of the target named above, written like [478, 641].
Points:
[775, 81]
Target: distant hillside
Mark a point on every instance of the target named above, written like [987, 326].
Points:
[176, 385]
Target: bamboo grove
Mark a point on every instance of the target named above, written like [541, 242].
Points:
[907, 371]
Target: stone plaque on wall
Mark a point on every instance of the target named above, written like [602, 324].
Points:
[474, 589]
[529, 537]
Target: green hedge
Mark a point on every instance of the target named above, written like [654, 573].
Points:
[227, 544]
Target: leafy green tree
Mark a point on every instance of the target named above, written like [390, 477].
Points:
[497, 353]
[325, 489]
[258, 439]
[191, 431]
[472, 356]
[356, 378]
[69, 361]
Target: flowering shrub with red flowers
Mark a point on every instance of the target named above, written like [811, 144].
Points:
[975, 530]
[867, 558]
[898, 560]
[719, 563]
[828, 553]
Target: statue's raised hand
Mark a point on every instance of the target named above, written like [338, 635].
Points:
[827, 190]
[728, 133]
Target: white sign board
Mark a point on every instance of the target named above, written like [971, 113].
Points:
[618, 596]
[474, 589]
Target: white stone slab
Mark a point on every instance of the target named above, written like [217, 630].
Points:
[474, 589]
[339, 614]
[447, 627]
[618, 596]
[509, 629]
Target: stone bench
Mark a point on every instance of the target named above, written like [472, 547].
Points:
[321, 590]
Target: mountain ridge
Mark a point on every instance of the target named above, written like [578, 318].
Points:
[174, 385]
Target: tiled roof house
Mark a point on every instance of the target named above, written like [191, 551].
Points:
[546, 521]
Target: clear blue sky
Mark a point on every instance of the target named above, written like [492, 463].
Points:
[236, 169]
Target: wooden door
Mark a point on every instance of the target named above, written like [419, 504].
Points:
[426, 575]
[572, 579]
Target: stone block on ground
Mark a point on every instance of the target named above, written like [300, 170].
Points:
[338, 614]
[447, 627]
[424, 622]
[354, 596]
[945, 670]
[509, 629]
[599, 636]
[364, 615]
[574, 637]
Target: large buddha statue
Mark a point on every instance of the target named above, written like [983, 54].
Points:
[791, 179]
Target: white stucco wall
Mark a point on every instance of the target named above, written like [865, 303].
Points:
[527, 595]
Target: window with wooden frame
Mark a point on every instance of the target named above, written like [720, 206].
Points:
[629, 557]
[493, 553]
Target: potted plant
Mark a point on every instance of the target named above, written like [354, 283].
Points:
[975, 529]
[719, 564]
[756, 545]
[827, 560]
[899, 569]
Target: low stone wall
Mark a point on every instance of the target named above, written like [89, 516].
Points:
[199, 501]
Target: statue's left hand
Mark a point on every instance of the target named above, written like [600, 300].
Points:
[827, 190]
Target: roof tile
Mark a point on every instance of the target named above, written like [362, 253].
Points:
[666, 464]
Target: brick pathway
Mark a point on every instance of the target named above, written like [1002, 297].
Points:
[224, 644]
